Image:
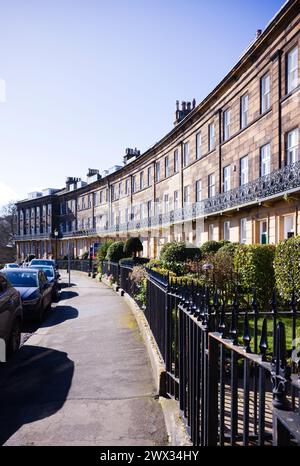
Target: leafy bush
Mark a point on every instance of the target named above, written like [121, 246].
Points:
[211, 247]
[164, 271]
[102, 250]
[178, 252]
[286, 266]
[154, 263]
[134, 261]
[228, 248]
[179, 268]
[115, 251]
[133, 246]
[138, 274]
[254, 265]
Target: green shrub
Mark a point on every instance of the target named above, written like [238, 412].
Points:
[211, 247]
[179, 268]
[132, 261]
[178, 252]
[115, 251]
[102, 250]
[133, 246]
[254, 266]
[286, 266]
[229, 248]
[164, 271]
[154, 263]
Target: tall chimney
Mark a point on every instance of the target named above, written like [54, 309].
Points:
[194, 102]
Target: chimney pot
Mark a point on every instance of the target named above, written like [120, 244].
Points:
[258, 33]
[194, 103]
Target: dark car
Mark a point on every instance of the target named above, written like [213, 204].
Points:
[35, 291]
[49, 262]
[11, 315]
[52, 278]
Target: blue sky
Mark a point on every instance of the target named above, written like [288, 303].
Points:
[87, 78]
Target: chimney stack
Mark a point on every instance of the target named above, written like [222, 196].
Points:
[258, 33]
[186, 107]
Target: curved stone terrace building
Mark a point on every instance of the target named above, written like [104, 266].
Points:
[229, 168]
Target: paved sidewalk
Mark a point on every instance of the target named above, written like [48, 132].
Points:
[83, 378]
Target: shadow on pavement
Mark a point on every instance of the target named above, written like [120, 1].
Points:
[68, 294]
[54, 316]
[34, 385]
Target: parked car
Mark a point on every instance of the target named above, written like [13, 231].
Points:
[52, 278]
[11, 266]
[35, 291]
[50, 262]
[11, 315]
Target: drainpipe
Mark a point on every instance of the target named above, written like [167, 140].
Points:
[219, 113]
[277, 56]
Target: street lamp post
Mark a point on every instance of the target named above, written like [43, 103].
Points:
[56, 237]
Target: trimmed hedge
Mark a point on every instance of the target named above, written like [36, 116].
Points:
[178, 252]
[132, 246]
[254, 266]
[211, 246]
[115, 251]
[132, 261]
[287, 268]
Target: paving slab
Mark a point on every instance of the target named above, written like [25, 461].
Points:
[83, 378]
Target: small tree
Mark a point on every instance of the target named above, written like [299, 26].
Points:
[132, 246]
[102, 250]
[211, 247]
[287, 268]
[254, 266]
[115, 251]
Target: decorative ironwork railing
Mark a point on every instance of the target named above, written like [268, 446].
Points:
[277, 182]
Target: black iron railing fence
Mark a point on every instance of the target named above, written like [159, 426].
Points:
[75, 264]
[234, 368]
[230, 367]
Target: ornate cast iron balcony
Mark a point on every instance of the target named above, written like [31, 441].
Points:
[277, 183]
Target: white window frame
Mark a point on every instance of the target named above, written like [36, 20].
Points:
[243, 230]
[292, 146]
[226, 124]
[244, 110]
[265, 159]
[198, 191]
[287, 230]
[211, 185]
[262, 231]
[226, 230]
[167, 168]
[265, 93]
[226, 178]
[198, 145]
[211, 231]
[211, 137]
[157, 171]
[292, 69]
[176, 161]
[187, 194]
[186, 154]
[176, 199]
[244, 170]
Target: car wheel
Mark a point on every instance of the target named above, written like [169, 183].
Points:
[15, 338]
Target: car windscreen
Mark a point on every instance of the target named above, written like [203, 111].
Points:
[22, 279]
[42, 262]
[48, 271]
